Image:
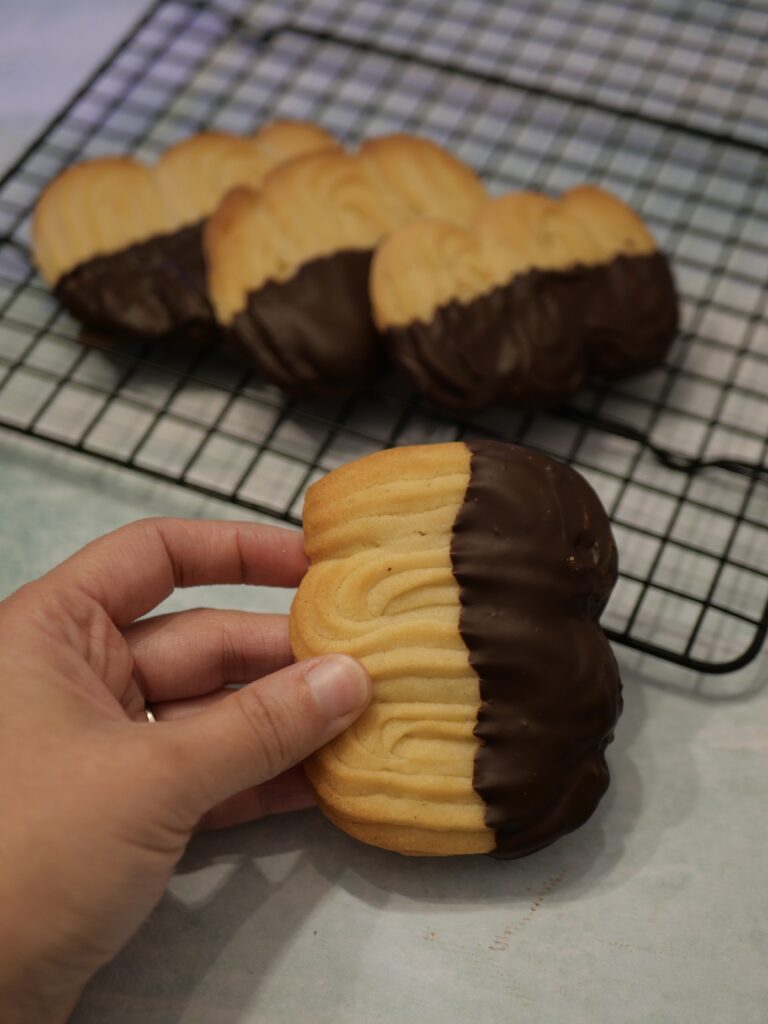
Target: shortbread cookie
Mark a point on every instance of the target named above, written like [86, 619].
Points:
[120, 242]
[288, 266]
[469, 579]
[521, 305]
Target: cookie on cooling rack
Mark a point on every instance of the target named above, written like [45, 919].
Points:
[518, 307]
[120, 242]
[469, 579]
[288, 265]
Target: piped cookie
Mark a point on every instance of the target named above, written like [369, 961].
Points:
[469, 579]
[521, 305]
[288, 264]
[120, 242]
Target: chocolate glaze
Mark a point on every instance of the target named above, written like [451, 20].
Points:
[528, 343]
[632, 318]
[519, 343]
[533, 554]
[152, 289]
[313, 334]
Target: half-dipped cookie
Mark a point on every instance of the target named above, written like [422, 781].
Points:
[469, 579]
[288, 265]
[518, 307]
[120, 242]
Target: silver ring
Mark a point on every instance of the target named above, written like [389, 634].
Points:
[149, 713]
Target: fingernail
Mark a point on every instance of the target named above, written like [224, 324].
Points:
[339, 685]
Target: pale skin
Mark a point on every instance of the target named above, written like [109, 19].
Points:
[97, 804]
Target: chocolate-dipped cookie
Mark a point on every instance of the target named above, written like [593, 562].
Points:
[288, 265]
[120, 242]
[469, 579]
[522, 304]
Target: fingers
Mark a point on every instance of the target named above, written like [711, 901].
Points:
[173, 710]
[132, 570]
[288, 791]
[262, 729]
[190, 653]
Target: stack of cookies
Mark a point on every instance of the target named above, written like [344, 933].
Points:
[468, 578]
[321, 264]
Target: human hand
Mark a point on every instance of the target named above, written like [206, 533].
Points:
[97, 804]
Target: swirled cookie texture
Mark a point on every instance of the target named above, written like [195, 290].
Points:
[121, 242]
[289, 263]
[469, 579]
[519, 306]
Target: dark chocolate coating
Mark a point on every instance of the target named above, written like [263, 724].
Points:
[519, 343]
[313, 334]
[632, 318]
[535, 561]
[528, 343]
[153, 289]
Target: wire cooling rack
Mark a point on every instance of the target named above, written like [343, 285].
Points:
[664, 102]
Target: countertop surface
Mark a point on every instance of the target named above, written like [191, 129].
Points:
[656, 911]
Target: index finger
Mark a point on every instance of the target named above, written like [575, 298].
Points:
[130, 571]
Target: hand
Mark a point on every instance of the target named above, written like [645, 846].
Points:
[97, 803]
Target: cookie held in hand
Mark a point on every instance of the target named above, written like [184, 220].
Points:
[288, 265]
[120, 242]
[518, 307]
[469, 579]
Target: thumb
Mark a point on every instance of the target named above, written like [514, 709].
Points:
[265, 727]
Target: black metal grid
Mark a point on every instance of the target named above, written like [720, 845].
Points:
[664, 102]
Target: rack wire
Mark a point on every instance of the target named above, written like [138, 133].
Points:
[664, 102]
